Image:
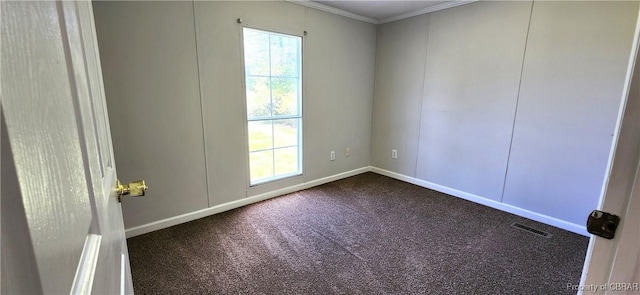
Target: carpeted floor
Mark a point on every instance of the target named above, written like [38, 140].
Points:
[367, 234]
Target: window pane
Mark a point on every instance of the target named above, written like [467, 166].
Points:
[284, 56]
[285, 96]
[285, 132]
[260, 135]
[258, 97]
[273, 74]
[261, 165]
[256, 52]
[286, 160]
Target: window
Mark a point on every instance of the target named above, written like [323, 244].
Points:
[273, 84]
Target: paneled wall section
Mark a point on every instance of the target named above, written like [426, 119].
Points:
[510, 103]
[571, 90]
[173, 77]
[398, 93]
[150, 72]
[474, 60]
[519, 104]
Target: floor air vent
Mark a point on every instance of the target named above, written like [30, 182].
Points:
[531, 230]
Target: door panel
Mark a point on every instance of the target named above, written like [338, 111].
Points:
[112, 260]
[15, 231]
[626, 266]
[57, 126]
[43, 134]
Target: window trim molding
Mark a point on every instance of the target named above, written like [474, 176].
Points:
[246, 120]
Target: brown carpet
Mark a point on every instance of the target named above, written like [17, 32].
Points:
[367, 234]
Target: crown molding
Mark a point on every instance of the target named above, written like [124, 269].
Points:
[427, 10]
[337, 11]
[333, 10]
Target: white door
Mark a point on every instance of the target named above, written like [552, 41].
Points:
[613, 266]
[62, 228]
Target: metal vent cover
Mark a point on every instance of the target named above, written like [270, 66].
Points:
[534, 231]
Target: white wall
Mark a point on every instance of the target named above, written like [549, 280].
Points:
[173, 77]
[574, 56]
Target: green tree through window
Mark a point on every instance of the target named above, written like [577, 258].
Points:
[273, 82]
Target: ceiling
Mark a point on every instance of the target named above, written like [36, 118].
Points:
[385, 11]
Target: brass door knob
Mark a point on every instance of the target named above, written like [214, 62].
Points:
[135, 189]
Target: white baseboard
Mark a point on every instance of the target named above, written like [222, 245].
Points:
[164, 223]
[572, 227]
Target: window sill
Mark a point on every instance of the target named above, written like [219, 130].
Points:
[270, 185]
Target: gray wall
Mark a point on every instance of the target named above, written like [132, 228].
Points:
[571, 90]
[398, 93]
[173, 78]
[150, 72]
[572, 64]
[474, 57]
[514, 102]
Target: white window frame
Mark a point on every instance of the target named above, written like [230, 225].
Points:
[300, 170]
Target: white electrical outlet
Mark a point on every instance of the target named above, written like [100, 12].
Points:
[347, 152]
[332, 156]
[394, 154]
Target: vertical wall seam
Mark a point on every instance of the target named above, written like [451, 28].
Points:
[373, 95]
[204, 137]
[515, 113]
[424, 79]
[303, 150]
